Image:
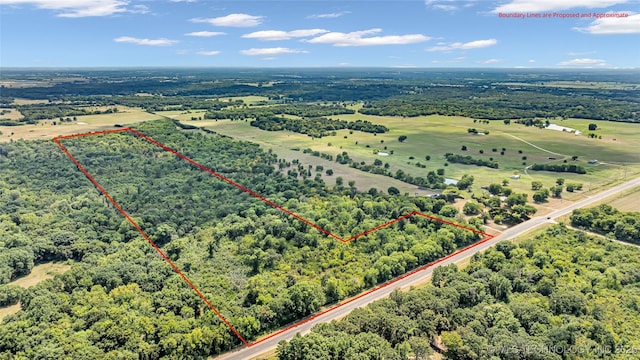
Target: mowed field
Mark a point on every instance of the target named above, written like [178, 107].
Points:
[436, 135]
[44, 129]
[626, 201]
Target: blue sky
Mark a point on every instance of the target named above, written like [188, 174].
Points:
[303, 33]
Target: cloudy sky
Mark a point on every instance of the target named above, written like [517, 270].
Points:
[308, 33]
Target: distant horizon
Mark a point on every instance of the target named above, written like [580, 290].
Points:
[125, 67]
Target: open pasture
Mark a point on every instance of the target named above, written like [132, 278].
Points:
[436, 135]
[45, 129]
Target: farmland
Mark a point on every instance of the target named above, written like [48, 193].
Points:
[433, 136]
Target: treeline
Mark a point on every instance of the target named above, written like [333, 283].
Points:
[545, 298]
[311, 110]
[166, 103]
[260, 267]
[300, 110]
[572, 168]
[468, 160]
[52, 111]
[606, 220]
[315, 126]
[505, 103]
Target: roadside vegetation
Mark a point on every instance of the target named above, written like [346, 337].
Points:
[559, 294]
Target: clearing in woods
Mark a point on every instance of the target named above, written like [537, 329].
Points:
[39, 273]
[45, 130]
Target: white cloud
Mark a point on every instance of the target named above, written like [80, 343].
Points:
[614, 25]
[283, 35]
[449, 5]
[445, 7]
[149, 42]
[477, 44]
[232, 20]
[139, 9]
[271, 51]
[183, 1]
[205, 33]
[329, 15]
[490, 61]
[208, 53]
[553, 5]
[583, 62]
[81, 8]
[357, 38]
[532, 60]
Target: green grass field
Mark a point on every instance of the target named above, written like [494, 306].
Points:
[625, 201]
[437, 135]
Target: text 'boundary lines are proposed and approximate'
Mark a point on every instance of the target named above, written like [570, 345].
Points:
[57, 140]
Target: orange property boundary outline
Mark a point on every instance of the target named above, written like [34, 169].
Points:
[56, 140]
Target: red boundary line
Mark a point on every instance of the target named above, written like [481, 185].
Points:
[57, 139]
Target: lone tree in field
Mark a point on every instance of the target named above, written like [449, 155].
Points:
[593, 127]
[392, 190]
[541, 195]
[536, 185]
[402, 138]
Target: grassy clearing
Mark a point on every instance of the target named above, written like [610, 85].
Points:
[11, 114]
[18, 101]
[45, 129]
[626, 201]
[437, 135]
[183, 115]
[249, 100]
[39, 273]
[9, 310]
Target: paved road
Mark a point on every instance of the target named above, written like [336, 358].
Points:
[255, 350]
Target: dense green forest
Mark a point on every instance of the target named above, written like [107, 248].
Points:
[260, 267]
[606, 220]
[558, 295]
